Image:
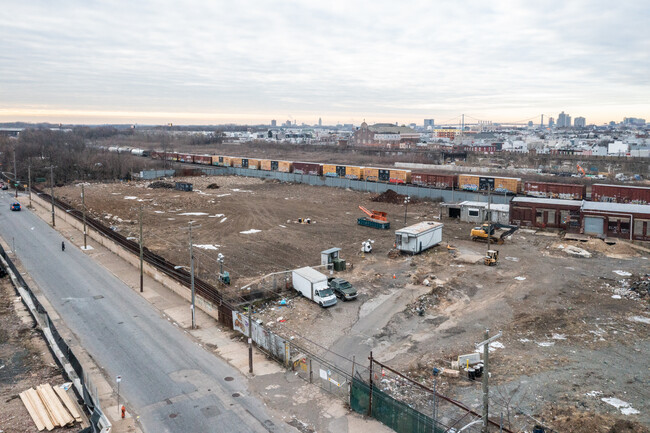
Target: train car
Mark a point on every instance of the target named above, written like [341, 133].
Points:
[203, 159]
[400, 176]
[171, 156]
[500, 185]
[186, 157]
[253, 164]
[113, 149]
[374, 174]
[354, 172]
[221, 161]
[237, 162]
[265, 164]
[329, 170]
[123, 150]
[312, 168]
[567, 191]
[157, 155]
[620, 193]
[435, 180]
[285, 166]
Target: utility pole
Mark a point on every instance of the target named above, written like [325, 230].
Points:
[192, 278]
[486, 374]
[15, 173]
[29, 182]
[489, 217]
[436, 372]
[83, 205]
[250, 337]
[142, 255]
[52, 192]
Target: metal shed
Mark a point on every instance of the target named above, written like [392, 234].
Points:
[418, 237]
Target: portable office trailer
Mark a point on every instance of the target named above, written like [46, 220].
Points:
[418, 237]
[477, 212]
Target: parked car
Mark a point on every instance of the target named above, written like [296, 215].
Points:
[4, 186]
[15, 206]
[342, 288]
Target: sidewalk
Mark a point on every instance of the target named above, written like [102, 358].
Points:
[332, 414]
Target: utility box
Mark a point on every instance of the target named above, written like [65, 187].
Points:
[328, 257]
[183, 186]
[418, 237]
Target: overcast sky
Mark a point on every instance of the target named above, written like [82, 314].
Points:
[248, 61]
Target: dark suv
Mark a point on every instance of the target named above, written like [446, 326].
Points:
[342, 289]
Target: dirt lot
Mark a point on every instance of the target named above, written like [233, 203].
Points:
[25, 362]
[574, 334]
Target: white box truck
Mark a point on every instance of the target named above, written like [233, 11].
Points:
[418, 237]
[313, 285]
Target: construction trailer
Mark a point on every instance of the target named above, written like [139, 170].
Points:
[477, 212]
[418, 237]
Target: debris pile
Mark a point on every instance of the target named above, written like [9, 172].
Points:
[161, 184]
[212, 186]
[391, 196]
[641, 285]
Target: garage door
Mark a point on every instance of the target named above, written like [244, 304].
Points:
[593, 226]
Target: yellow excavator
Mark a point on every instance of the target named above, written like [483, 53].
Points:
[481, 233]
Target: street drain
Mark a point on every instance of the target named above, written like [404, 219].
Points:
[173, 415]
[236, 394]
[228, 379]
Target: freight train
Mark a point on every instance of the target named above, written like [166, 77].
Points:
[463, 182]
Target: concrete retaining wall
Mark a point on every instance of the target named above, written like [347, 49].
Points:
[133, 259]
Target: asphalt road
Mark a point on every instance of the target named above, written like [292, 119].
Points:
[168, 380]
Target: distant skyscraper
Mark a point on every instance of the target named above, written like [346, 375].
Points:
[274, 123]
[551, 122]
[633, 121]
[579, 122]
[563, 120]
[320, 122]
[429, 122]
[530, 123]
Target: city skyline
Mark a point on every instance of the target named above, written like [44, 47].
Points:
[162, 63]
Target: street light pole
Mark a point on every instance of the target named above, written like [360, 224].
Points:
[406, 206]
[52, 192]
[83, 205]
[192, 278]
[29, 182]
[142, 255]
[15, 173]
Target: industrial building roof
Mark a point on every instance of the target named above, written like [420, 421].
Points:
[621, 186]
[616, 207]
[555, 201]
[419, 228]
[493, 206]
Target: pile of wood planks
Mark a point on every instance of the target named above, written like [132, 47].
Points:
[50, 407]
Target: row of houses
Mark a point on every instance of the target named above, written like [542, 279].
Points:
[602, 219]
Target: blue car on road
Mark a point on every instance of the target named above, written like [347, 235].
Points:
[15, 206]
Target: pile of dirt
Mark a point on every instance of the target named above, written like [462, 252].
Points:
[212, 186]
[571, 420]
[391, 196]
[160, 184]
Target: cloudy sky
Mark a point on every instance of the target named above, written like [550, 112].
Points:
[249, 61]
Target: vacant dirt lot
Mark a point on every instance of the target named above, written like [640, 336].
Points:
[574, 333]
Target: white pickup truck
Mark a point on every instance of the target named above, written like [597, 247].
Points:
[313, 285]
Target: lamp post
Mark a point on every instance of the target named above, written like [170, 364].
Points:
[407, 199]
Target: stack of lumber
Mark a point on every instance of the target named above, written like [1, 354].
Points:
[50, 407]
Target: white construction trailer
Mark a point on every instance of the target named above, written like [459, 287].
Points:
[418, 237]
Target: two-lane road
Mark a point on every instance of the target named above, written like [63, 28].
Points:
[169, 381]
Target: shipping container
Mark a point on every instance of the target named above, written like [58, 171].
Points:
[312, 168]
[285, 166]
[330, 170]
[507, 185]
[203, 159]
[400, 176]
[435, 180]
[620, 194]
[567, 191]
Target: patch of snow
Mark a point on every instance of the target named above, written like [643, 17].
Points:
[577, 251]
[616, 296]
[558, 337]
[545, 343]
[223, 220]
[491, 347]
[625, 407]
[284, 227]
[524, 340]
[193, 214]
[217, 215]
[130, 197]
[520, 278]
[171, 219]
[623, 273]
[207, 246]
[251, 231]
[159, 211]
[87, 248]
[641, 319]
[240, 190]
[223, 195]
[593, 393]
[513, 259]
